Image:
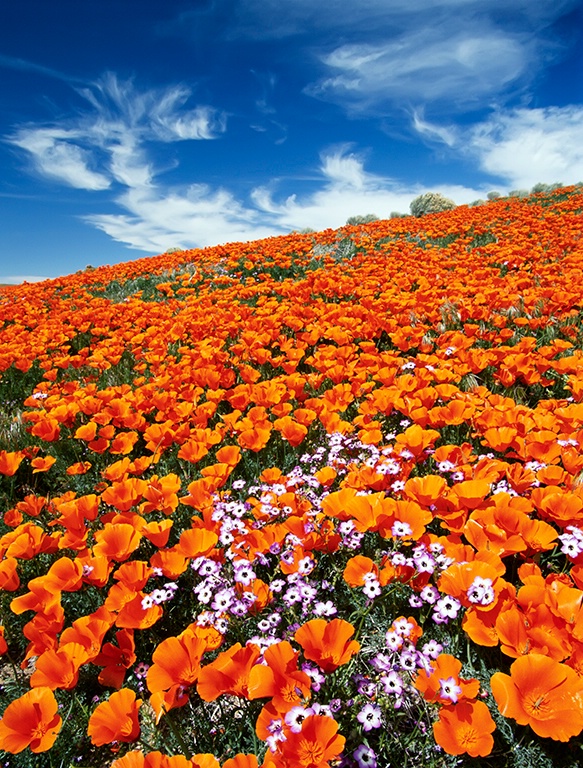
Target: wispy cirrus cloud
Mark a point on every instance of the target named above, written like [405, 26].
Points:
[272, 19]
[376, 56]
[23, 65]
[457, 68]
[106, 144]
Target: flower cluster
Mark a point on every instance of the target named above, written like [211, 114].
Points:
[291, 505]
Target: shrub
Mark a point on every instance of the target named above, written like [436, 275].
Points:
[541, 187]
[431, 202]
[366, 219]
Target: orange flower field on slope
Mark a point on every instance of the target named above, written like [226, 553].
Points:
[309, 501]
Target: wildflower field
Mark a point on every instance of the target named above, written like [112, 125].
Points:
[309, 501]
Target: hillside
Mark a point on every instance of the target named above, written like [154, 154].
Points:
[311, 498]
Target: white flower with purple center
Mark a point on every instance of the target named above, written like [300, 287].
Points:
[432, 649]
[481, 591]
[392, 683]
[424, 563]
[223, 600]
[408, 660]
[415, 601]
[243, 572]
[324, 608]
[372, 589]
[307, 592]
[572, 541]
[370, 717]
[429, 594]
[402, 627]
[400, 529]
[296, 716]
[365, 757]
[305, 566]
[393, 640]
[276, 734]
[446, 608]
[315, 676]
[449, 689]
[292, 595]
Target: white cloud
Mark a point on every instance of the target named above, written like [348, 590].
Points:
[96, 148]
[156, 218]
[432, 131]
[455, 67]
[336, 200]
[272, 19]
[57, 156]
[526, 146]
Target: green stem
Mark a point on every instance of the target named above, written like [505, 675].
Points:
[179, 738]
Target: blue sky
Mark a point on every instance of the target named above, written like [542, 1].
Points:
[127, 128]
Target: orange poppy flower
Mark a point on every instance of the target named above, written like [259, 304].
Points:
[176, 662]
[229, 454]
[465, 728]
[123, 443]
[160, 493]
[170, 562]
[9, 579]
[116, 541]
[279, 678]
[443, 683]
[228, 673]
[425, 490]
[30, 721]
[291, 430]
[469, 494]
[241, 761]
[116, 659]
[47, 429]
[357, 569]
[542, 693]
[327, 643]
[474, 584]
[79, 468]
[415, 439]
[60, 668]
[156, 759]
[315, 745]
[89, 631]
[115, 719]
[192, 450]
[133, 614]
[10, 461]
[404, 520]
[125, 494]
[32, 505]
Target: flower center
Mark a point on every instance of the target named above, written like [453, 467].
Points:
[468, 737]
[310, 753]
